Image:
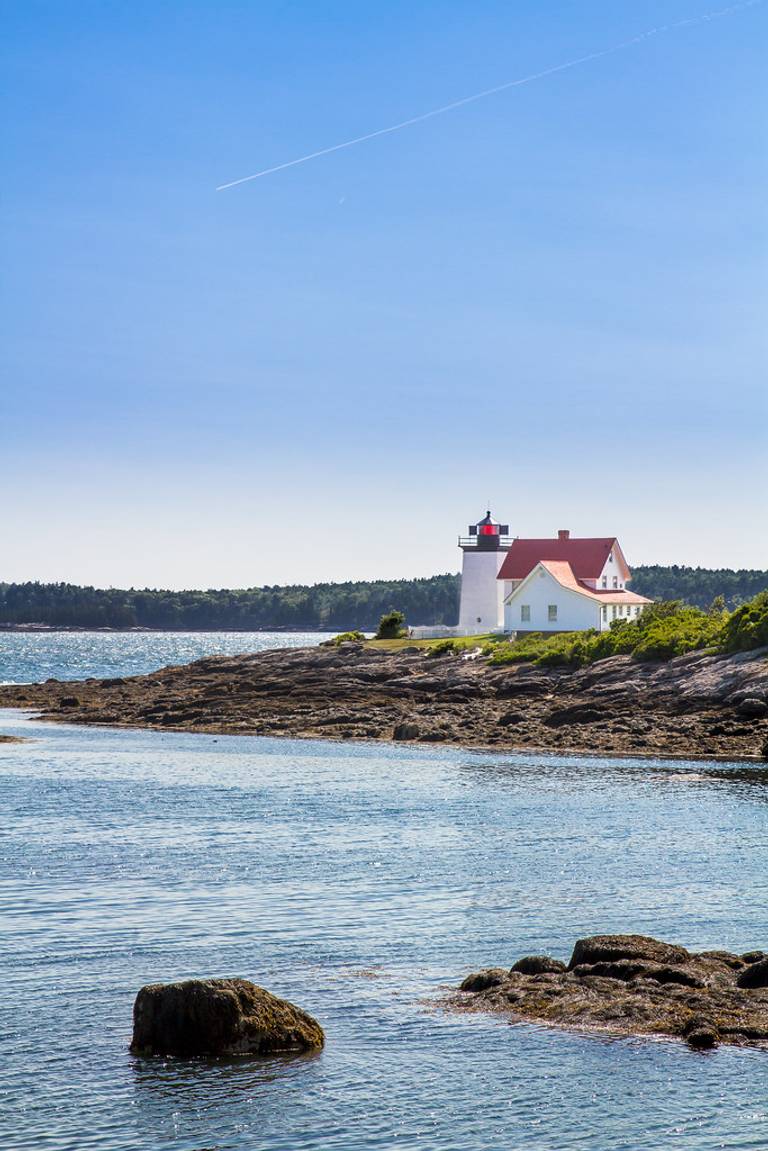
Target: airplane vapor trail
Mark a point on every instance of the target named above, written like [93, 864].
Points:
[564, 67]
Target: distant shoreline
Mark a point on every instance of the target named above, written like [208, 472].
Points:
[47, 629]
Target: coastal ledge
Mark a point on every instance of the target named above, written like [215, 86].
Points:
[695, 706]
[633, 985]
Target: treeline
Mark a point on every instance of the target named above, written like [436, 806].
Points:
[322, 607]
[698, 586]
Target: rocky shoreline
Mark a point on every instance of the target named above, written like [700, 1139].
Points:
[633, 985]
[697, 706]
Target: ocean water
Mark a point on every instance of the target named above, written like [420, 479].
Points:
[29, 657]
[360, 881]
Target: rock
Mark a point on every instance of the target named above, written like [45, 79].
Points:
[752, 708]
[406, 731]
[738, 697]
[510, 718]
[519, 685]
[69, 701]
[633, 985]
[482, 980]
[607, 708]
[218, 1017]
[581, 713]
[754, 956]
[626, 969]
[756, 975]
[538, 965]
[734, 961]
[597, 948]
[700, 1032]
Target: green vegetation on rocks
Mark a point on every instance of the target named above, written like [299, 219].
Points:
[345, 637]
[663, 631]
[747, 627]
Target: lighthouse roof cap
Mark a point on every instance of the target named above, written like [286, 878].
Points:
[487, 521]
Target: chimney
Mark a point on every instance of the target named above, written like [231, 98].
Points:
[563, 534]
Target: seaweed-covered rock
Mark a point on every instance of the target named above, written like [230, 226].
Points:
[701, 1032]
[633, 985]
[482, 980]
[756, 975]
[538, 965]
[218, 1017]
[598, 948]
[406, 730]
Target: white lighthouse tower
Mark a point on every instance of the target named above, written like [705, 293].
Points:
[482, 594]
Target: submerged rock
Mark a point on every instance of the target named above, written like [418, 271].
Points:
[218, 1017]
[634, 985]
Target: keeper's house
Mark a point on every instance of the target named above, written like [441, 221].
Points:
[566, 584]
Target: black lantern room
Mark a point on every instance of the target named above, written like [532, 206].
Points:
[487, 535]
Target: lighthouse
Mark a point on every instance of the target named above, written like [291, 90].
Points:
[482, 593]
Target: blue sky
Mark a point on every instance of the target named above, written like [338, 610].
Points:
[553, 298]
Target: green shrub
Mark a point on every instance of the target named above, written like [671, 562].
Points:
[663, 631]
[391, 625]
[747, 627]
[689, 630]
[445, 647]
[347, 637]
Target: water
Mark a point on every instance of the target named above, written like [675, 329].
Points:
[358, 880]
[29, 657]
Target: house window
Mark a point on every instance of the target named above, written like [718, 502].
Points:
[615, 581]
[610, 558]
[605, 612]
[525, 613]
[552, 613]
[605, 581]
[614, 611]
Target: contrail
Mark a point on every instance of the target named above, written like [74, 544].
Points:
[575, 63]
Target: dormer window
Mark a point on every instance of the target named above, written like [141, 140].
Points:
[605, 581]
[615, 581]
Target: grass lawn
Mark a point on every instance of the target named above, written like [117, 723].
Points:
[468, 641]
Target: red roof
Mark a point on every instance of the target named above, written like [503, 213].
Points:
[587, 557]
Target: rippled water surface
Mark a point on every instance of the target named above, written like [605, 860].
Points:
[358, 880]
[28, 657]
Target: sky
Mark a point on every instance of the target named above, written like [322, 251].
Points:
[552, 300]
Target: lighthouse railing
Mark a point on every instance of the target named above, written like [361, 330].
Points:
[478, 541]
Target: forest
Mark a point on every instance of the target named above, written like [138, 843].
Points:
[320, 607]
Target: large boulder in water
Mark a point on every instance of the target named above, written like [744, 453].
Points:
[219, 1017]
